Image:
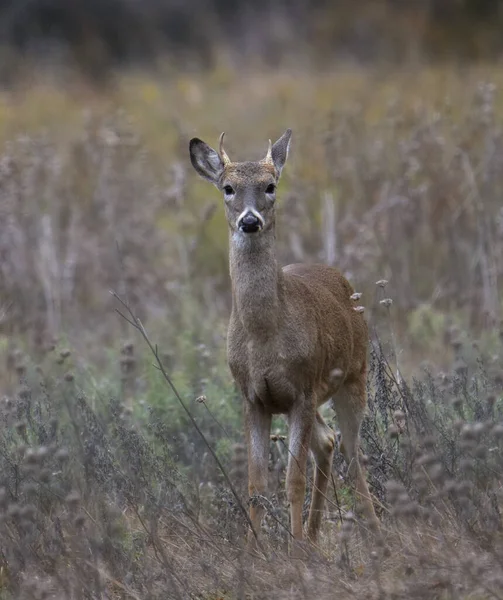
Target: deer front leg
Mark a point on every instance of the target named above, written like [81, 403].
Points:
[258, 427]
[300, 422]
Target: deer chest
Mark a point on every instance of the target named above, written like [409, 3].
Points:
[265, 375]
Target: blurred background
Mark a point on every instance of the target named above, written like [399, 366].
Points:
[395, 176]
[99, 36]
[395, 169]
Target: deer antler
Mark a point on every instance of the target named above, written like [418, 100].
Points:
[223, 153]
[268, 158]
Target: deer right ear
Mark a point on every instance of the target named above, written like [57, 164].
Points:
[206, 161]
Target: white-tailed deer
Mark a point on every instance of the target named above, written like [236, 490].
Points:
[295, 339]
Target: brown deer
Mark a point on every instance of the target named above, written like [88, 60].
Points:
[295, 340]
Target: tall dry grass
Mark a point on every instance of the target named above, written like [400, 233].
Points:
[106, 489]
[391, 175]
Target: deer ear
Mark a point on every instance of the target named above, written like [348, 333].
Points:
[279, 151]
[206, 161]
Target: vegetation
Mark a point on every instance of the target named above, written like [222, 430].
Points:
[97, 36]
[107, 490]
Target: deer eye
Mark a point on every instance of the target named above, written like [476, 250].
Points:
[228, 190]
[270, 189]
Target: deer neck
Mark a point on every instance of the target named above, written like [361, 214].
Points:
[256, 282]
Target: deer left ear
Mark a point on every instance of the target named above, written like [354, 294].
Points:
[206, 161]
[279, 151]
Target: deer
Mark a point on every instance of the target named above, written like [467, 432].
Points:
[295, 341]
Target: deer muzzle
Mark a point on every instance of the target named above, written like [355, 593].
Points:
[250, 221]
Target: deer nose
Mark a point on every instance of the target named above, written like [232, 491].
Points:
[249, 223]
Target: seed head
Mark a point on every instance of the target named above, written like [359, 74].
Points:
[480, 452]
[31, 457]
[359, 309]
[411, 509]
[458, 425]
[450, 485]
[394, 490]
[21, 369]
[457, 403]
[45, 475]
[73, 500]
[478, 429]
[403, 499]
[463, 488]
[399, 415]
[24, 392]
[457, 344]
[350, 517]
[382, 283]
[461, 369]
[344, 535]
[387, 302]
[21, 428]
[497, 431]
[239, 452]
[393, 432]
[13, 511]
[30, 488]
[79, 521]
[427, 459]
[42, 452]
[436, 472]
[465, 464]
[429, 442]
[127, 364]
[356, 296]
[467, 432]
[62, 455]
[28, 511]
[127, 348]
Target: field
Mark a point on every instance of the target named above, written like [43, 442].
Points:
[109, 486]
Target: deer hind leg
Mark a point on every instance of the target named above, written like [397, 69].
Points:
[258, 427]
[300, 421]
[322, 446]
[350, 406]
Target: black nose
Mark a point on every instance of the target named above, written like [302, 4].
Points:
[250, 223]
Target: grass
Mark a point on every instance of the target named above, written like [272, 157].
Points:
[106, 488]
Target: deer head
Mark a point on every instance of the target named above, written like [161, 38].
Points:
[249, 188]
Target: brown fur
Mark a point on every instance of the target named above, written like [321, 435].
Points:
[294, 342]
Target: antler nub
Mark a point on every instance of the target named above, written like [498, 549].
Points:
[223, 153]
[268, 158]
